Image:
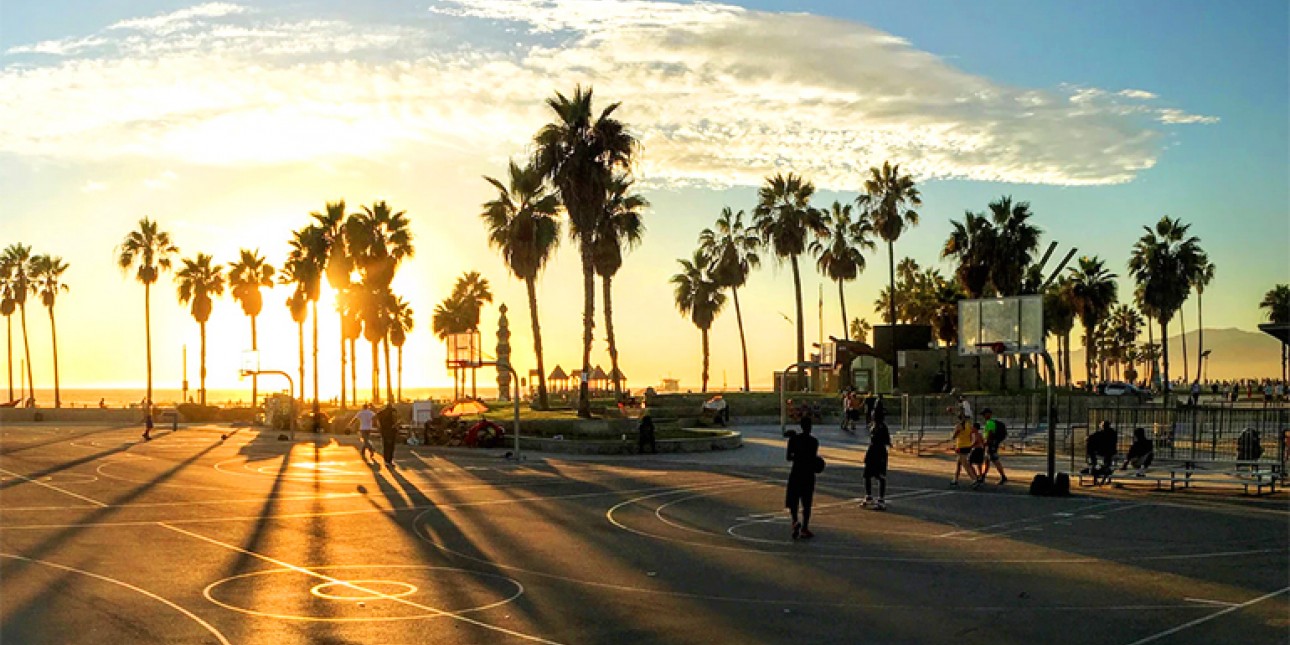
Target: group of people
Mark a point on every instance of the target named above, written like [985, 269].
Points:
[1102, 445]
[369, 420]
[976, 443]
[804, 455]
[856, 407]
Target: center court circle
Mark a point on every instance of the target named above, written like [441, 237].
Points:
[386, 592]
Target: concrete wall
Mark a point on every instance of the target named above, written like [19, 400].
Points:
[109, 416]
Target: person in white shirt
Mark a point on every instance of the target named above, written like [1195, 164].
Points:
[366, 420]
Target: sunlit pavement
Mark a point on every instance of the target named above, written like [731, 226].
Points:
[193, 538]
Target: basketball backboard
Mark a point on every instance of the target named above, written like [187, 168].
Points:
[250, 362]
[1016, 322]
[463, 350]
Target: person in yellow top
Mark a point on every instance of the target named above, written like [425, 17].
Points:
[964, 438]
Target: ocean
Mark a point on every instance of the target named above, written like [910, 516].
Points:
[131, 397]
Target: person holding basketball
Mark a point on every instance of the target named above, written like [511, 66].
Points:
[803, 452]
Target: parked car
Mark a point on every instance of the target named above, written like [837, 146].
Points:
[1116, 388]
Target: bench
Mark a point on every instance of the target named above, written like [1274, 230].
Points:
[1244, 473]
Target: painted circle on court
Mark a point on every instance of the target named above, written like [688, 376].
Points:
[353, 593]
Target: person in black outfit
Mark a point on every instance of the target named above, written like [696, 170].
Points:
[879, 411]
[1140, 453]
[388, 421]
[875, 466]
[803, 451]
[1101, 446]
[645, 435]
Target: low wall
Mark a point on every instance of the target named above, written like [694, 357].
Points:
[108, 416]
[719, 440]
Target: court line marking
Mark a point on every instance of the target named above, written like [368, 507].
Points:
[1205, 619]
[210, 628]
[372, 592]
[1065, 517]
[1204, 601]
[1035, 519]
[248, 500]
[54, 488]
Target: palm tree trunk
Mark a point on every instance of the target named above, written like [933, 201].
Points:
[1066, 374]
[1151, 343]
[704, 331]
[202, 373]
[400, 390]
[376, 373]
[353, 370]
[9, 352]
[842, 298]
[1182, 320]
[389, 380]
[609, 335]
[743, 344]
[1164, 355]
[314, 305]
[26, 350]
[255, 378]
[342, 361]
[588, 323]
[300, 338]
[1200, 330]
[537, 342]
[1089, 343]
[147, 334]
[891, 311]
[797, 292]
[53, 334]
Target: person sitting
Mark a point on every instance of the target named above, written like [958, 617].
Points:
[1248, 445]
[484, 433]
[1101, 445]
[1141, 452]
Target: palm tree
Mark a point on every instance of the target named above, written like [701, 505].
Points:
[199, 280]
[733, 249]
[298, 304]
[1277, 303]
[151, 249]
[1163, 263]
[972, 243]
[1016, 241]
[1125, 323]
[8, 305]
[860, 329]
[620, 228]
[1204, 276]
[378, 238]
[339, 267]
[46, 274]
[401, 324]
[471, 291]
[309, 255]
[891, 197]
[787, 222]
[452, 316]
[522, 224]
[579, 153]
[1059, 320]
[840, 256]
[17, 261]
[245, 279]
[1093, 291]
[699, 297]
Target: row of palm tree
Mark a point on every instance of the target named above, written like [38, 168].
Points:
[24, 274]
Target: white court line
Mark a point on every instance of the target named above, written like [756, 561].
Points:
[1023, 520]
[1205, 601]
[129, 586]
[1065, 516]
[54, 488]
[1198, 621]
[356, 587]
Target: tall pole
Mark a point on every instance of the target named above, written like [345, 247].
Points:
[184, 397]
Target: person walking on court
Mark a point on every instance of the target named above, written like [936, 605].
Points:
[366, 422]
[388, 421]
[147, 420]
[803, 452]
[875, 467]
[995, 432]
[962, 439]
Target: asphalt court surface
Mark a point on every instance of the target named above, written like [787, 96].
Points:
[194, 538]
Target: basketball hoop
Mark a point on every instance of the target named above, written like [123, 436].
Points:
[464, 350]
[998, 347]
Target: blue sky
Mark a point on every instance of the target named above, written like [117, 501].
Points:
[228, 122]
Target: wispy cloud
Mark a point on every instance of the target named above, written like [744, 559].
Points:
[94, 187]
[718, 94]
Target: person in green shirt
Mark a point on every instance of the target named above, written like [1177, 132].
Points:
[993, 437]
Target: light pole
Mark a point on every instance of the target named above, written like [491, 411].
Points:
[1204, 356]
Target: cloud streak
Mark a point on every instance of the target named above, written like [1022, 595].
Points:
[718, 94]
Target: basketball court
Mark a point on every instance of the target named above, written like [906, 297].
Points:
[195, 538]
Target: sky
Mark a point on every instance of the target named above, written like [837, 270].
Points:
[228, 123]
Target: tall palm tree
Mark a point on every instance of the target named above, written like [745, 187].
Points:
[1148, 310]
[8, 305]
[1204, 276]
[1093, 291]
[199, 280]
[309, 255]
[523, 226]
[973, 244]
[787, 223]
[1125, 324]
[339, 267]
[17, 261]
[620, 228]
[452, 316]
[298, 304]
[891, 197]
[378, 238]
[699, 297]
[1277, 303]
[860, 329]
[401, 323]
[46, 274]
[1016, 241]
[579, 152]
[1163, 263]
[245, 279]
[151, 249]
[840, 256]
[348, 305]
[733, 249]
[1059, 320]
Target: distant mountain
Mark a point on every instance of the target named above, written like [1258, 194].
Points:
[1235, 353]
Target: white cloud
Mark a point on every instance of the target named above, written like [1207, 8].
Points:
[161, 182]
[94, 187]
[717, 94]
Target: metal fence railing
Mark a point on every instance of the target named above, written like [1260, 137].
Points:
[927, 422]
[1190, 433]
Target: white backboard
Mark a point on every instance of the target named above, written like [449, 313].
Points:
[1016, 321]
